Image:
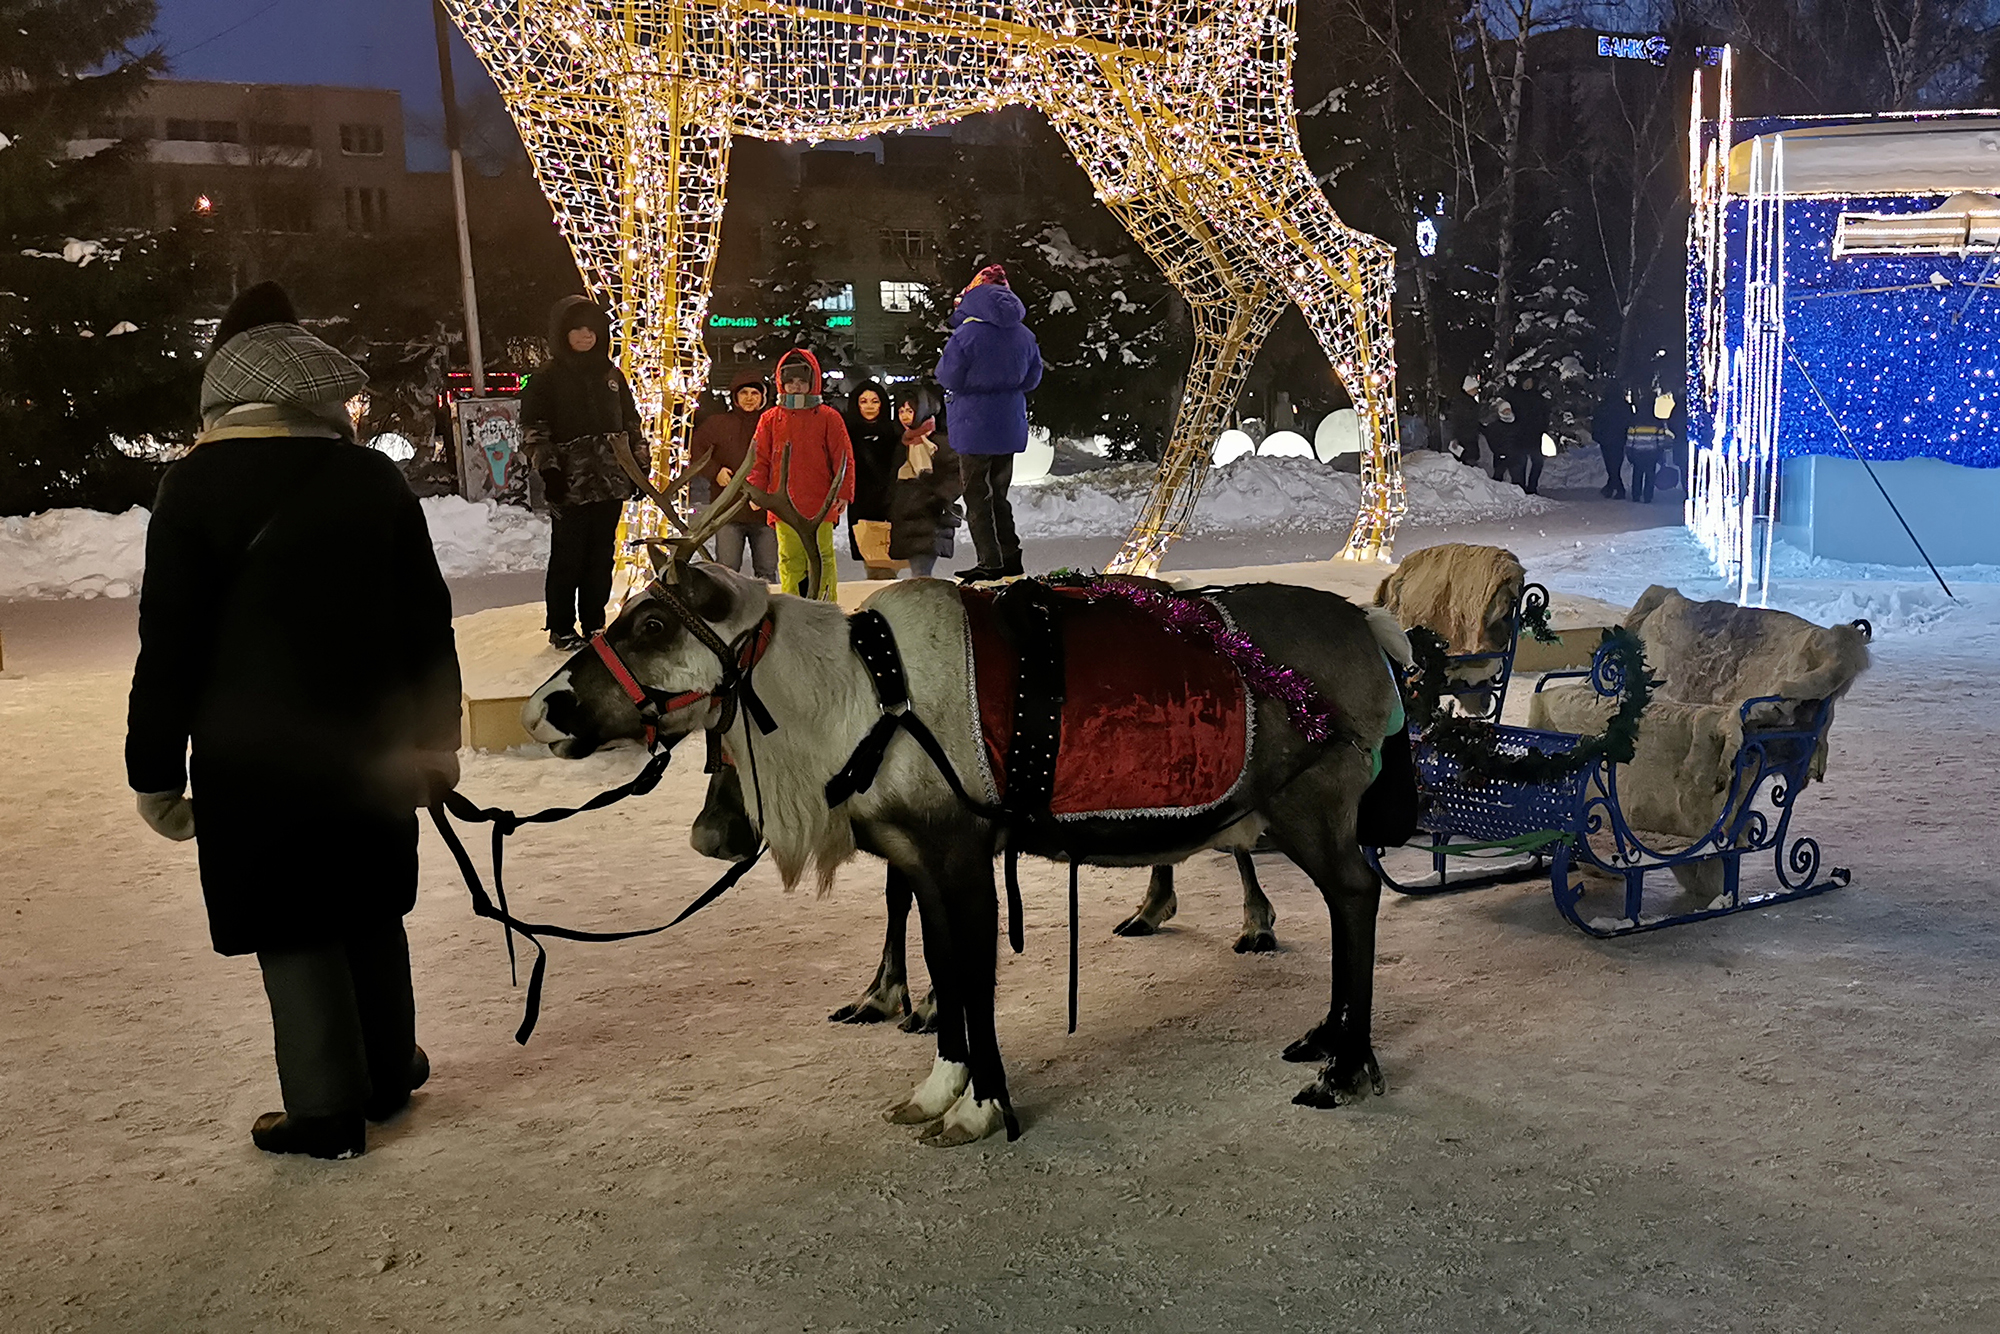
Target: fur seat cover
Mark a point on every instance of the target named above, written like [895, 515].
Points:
[1710, 657]
[1465, 593]
[1153, 723]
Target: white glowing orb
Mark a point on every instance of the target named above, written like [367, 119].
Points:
[1231, 446]
[1339, 433]
[1548, 445]
[1285, 445]
[396, 446]
[1034, 464]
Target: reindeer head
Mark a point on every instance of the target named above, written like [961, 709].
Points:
[668, 664]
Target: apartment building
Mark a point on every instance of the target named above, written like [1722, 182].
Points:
[270, 159]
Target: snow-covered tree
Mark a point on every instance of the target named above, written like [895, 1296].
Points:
[97, 349]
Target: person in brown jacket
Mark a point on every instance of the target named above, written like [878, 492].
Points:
[724, 439]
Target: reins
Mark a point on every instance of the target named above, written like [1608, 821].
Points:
[738, 662]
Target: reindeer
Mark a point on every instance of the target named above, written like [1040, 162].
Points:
[702, 648]
[1182, 115]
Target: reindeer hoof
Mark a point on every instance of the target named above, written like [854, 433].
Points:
[1341, 1082]
[1257, 942]
[934, 1097]
[874, 1008]
[967, 1120]
[923, 1018]
[1135, 925]
[1314, 1046]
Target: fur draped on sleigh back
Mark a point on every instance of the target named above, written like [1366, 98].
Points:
[1463, 592]
[1709, 657]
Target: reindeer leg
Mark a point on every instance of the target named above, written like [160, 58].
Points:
[973, 910]
[1259, 918]
[951, 1071]
[1156, 908]
[1324, 847]
[888, 996]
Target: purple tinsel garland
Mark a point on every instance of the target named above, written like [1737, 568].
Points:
[1196, 618]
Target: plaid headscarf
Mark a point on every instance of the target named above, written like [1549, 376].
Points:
[277, 379]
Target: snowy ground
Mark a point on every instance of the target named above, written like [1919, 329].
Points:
[81, 553]
[1783, 1122]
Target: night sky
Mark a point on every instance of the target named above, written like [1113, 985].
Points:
[365, 43]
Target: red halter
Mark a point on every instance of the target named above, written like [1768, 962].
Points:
[651, 707]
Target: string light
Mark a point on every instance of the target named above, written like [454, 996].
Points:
[626, 108]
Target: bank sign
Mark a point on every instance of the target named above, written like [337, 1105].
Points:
[1654, 48]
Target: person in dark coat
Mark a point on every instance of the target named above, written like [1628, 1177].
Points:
[1532, 410]
[724, 439]
[878, 452]
[927, 481]
[574, 405]
[989, 365]
[1508, 441]
[1609, 426]
[295, 633]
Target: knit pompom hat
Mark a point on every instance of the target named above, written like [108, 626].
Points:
[992, 273]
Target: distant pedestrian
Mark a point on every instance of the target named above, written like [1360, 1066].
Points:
[928, 480]
[813, 436]
[575, 410]
[988, 367]
[725, 440]
[878, 451]
[1462, 422]
[1609, 426]
[1644, 446]
[1532, 410]
[1507, 438]
[295, 635]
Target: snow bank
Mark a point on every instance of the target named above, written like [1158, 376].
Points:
[484, 536]
[73, 554]
[85, 554]
[1259, 494]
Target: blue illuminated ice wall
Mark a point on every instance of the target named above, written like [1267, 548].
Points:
[1905, 349]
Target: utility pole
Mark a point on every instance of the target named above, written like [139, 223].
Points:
[472, 349]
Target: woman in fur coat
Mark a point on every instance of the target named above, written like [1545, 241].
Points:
[927, 481]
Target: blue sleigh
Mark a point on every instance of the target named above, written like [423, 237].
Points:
[1577, 824]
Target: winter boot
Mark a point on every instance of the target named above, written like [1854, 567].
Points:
[978, 574]
[1012, 569]
[569, 641]
[344, 1136]
[386, 1105]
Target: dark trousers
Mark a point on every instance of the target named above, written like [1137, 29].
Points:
[760, 537]
[582, 539]
[344, 1019]
[1614, 468]
[987, 477]
[1511, 468]
[1645, 462]
[1535, 462]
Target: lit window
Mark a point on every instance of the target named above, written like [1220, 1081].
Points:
[902, 298]
[840, 298]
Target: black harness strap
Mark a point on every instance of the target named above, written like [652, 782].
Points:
[505, 823]
[1030, 763]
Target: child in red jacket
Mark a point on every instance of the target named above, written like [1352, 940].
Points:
[815, 438]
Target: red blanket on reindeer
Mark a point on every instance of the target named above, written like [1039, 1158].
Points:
[1152, 722]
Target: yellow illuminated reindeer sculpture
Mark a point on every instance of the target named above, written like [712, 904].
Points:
[1180, 110]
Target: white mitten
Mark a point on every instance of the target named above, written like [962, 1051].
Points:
[170, 814]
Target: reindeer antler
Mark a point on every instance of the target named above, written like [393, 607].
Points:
[779, 502]
[663, 496]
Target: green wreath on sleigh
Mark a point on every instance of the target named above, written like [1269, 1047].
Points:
[1473, 743]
